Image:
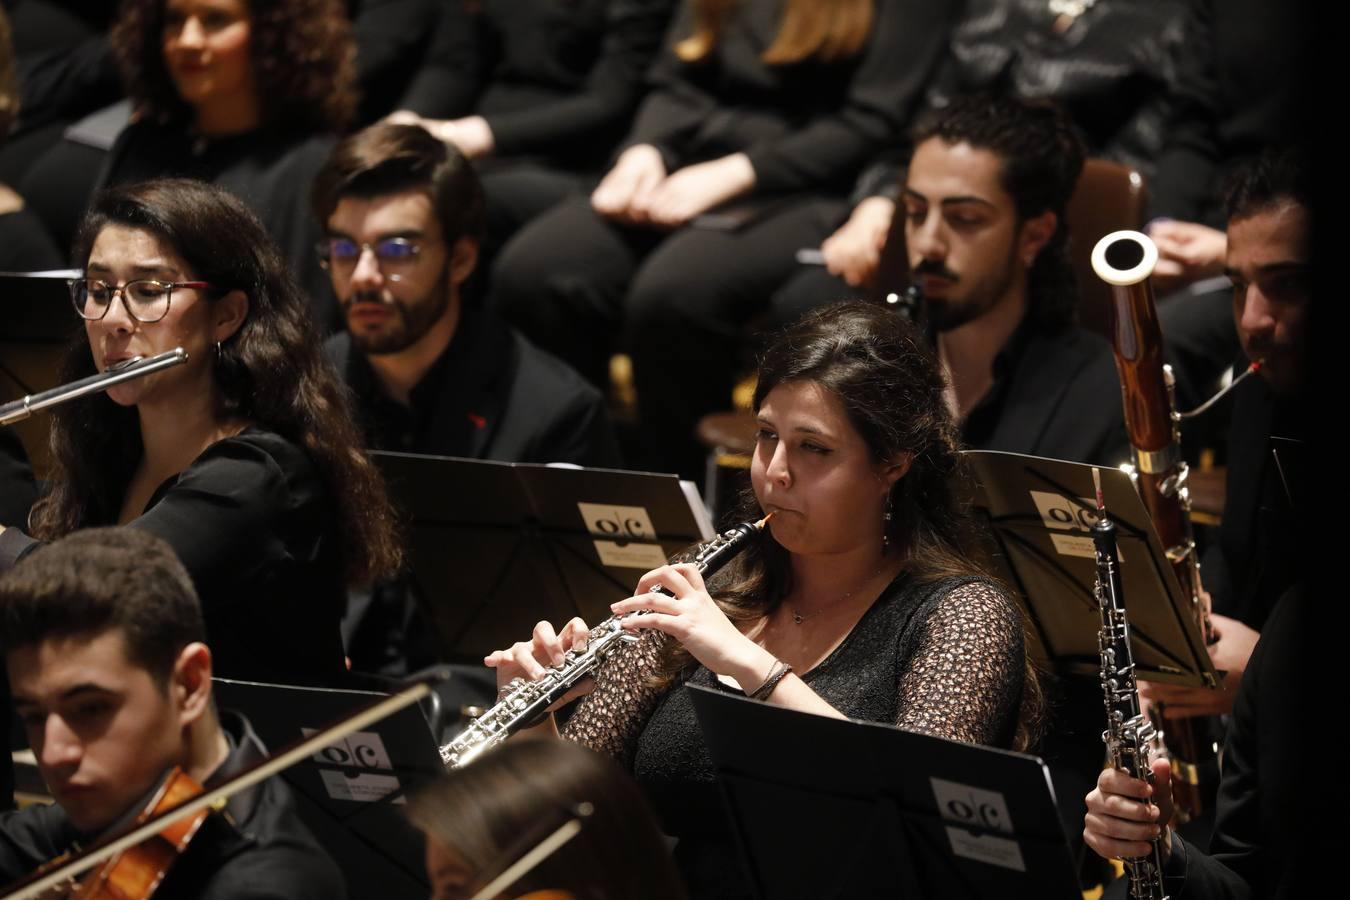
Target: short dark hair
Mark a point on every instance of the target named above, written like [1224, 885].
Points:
[99, 580]
[1276, 176]
[386, 159]
[1042, 158]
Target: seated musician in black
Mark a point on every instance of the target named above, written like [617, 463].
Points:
[403, 214]
[430, 373]
[103, 637]
[1257, 557]
[984, 201]
[242, 458]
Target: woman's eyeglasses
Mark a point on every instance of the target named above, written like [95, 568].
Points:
[145, 300]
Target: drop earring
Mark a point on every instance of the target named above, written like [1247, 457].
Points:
[886, 528]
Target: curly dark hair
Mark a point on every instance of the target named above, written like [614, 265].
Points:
[304, 61]
[1042, 156]
[884, 373]
[271, 372]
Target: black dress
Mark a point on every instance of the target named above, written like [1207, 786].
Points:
[253, 523]
[943, 658]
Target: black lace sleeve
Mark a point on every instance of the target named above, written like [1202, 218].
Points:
[611, 717]
[964, 682]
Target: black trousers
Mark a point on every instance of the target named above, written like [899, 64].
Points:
[679, 303]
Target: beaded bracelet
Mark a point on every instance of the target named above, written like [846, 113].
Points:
[776, 674]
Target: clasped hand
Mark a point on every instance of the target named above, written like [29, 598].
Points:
[1121, 822]
[638, 191]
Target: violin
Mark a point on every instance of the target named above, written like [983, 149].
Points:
[132, 863]
[138, 871]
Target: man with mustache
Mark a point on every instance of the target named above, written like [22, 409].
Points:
[1257, 557]
[1263, 799]
[403, 214]
[984, 200]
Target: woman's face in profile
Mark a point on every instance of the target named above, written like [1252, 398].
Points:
[815, 473]
[207, 49]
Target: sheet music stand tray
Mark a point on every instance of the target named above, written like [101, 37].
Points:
[39, 323]
[826, 808]
[352, 794]
[1040, 513]
[496, 547]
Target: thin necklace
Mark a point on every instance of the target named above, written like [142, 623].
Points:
[798, 618]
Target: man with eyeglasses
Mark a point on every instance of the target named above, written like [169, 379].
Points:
[430, 373]
[403, 213]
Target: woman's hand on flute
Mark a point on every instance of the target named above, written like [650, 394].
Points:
[694, 619]
[546, 647]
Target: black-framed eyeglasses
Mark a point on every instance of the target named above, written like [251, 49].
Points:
[145, 300]
[345, 252]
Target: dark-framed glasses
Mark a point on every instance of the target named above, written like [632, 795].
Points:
[145, 300]
[344, 253]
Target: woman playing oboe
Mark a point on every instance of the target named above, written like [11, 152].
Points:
[860, 602]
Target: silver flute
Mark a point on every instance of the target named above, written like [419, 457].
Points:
[1128, 733]
[126, 370]
[524, 702]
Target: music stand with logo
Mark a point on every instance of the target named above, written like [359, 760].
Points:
[1040, 514]
[827, 808]
[351, 795]
[496, 547]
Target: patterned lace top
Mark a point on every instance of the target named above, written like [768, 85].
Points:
[943, 658]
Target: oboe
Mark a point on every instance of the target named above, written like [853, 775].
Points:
[1125, 260]
[524, 702]
[126, 370]
[1128, 731]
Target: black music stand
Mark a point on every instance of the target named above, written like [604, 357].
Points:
[826, 808]
[496, 547]
[353, 794]
[1040, 513]
[39, 323]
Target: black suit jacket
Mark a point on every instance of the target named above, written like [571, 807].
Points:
[1254, 851]
[491, 395]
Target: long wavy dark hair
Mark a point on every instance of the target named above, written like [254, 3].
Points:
[304, 62]
[271, 372]
[884, 373]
